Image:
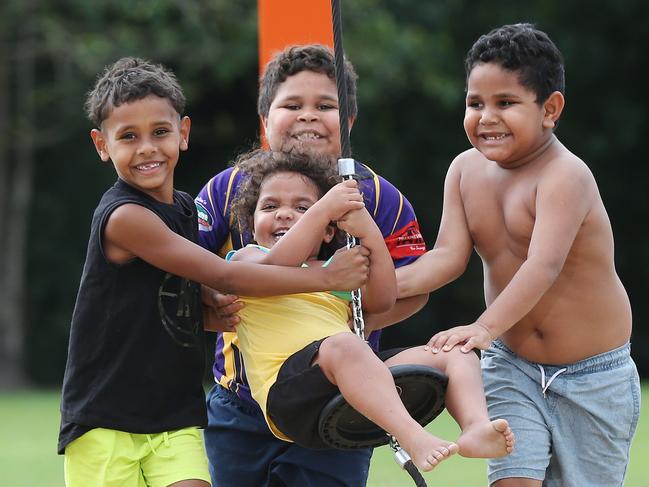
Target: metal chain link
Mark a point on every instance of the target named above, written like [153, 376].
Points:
[346, 169]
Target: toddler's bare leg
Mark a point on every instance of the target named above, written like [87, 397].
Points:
[465, 401]
[368, 386]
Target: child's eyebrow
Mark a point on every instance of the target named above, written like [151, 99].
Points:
[300, 96]
[266, 199]
[506, 95]
[134, 126]
[122, 128]
[474, 96]
[162, 122]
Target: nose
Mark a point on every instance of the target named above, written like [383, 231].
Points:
[146, 146]
[307, 115]
[488, 117]
[284, 213]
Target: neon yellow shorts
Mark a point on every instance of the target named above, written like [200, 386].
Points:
[107, 458]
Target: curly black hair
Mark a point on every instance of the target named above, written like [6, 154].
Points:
[130, 79]
[258, 165]
[295, 59]
[523, 49]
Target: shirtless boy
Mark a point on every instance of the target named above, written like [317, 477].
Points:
[557, 324]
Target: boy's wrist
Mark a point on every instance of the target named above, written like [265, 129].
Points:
[326, 276]
[320, 211]
[492, 334]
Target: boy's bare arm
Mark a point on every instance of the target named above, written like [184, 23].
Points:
[403, 308]
[563, 201]
[134, 231]
[295, 247]
[449, 257]
[380, 291]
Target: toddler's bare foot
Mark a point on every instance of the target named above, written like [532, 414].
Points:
[427, 451]
[488, 439]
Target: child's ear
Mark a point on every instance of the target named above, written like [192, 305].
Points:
[100, 144]
[553, 107]
[330, 232]
[185, 126]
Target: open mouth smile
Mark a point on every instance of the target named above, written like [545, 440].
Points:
[279, 233]
[148, 166]
[491, 137]
[303, 136]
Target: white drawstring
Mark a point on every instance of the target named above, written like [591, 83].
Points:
[544, 385]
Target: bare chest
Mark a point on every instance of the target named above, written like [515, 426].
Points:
[500, 213]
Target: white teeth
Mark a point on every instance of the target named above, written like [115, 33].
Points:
[147, 167]
[495, 137]
[307, 136]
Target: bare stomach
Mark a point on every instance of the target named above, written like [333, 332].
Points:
[551, 348]
[563, 331]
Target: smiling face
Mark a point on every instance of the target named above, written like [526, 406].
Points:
[502, 118]
[304, 114]
[143, 139]
[284, 197]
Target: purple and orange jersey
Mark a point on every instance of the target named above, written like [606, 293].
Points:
[391, 211]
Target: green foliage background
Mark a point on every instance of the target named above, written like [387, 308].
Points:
[409, 55]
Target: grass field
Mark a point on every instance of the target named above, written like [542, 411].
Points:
[30, 426]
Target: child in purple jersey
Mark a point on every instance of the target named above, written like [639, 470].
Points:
[298, 107]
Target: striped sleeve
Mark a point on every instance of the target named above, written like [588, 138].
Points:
[395, 217]
[213, 207]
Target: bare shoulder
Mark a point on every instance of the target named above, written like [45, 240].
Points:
[466, 163]
[469, 157]
[132, 220]
[127, 227]
[568, 170]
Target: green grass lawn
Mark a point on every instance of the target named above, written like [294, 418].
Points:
[30, 426]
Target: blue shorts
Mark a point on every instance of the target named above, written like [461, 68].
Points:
[573, 424]
[242, 451]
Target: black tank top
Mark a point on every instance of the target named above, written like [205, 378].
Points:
[136, 351]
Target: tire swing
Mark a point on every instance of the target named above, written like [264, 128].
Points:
[421, 388]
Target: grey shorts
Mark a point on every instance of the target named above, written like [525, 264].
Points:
[573, 424]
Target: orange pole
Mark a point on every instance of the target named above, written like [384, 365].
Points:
[286, 22]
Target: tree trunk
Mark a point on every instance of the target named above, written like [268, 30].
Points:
[17, 193]
[4, 126]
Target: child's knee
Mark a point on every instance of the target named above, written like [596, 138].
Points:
[341, 345]
[456, 356]
[452, 358]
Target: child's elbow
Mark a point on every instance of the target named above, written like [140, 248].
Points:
[386, 304]
[456, 260]
[381, 301]
[547, 269]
